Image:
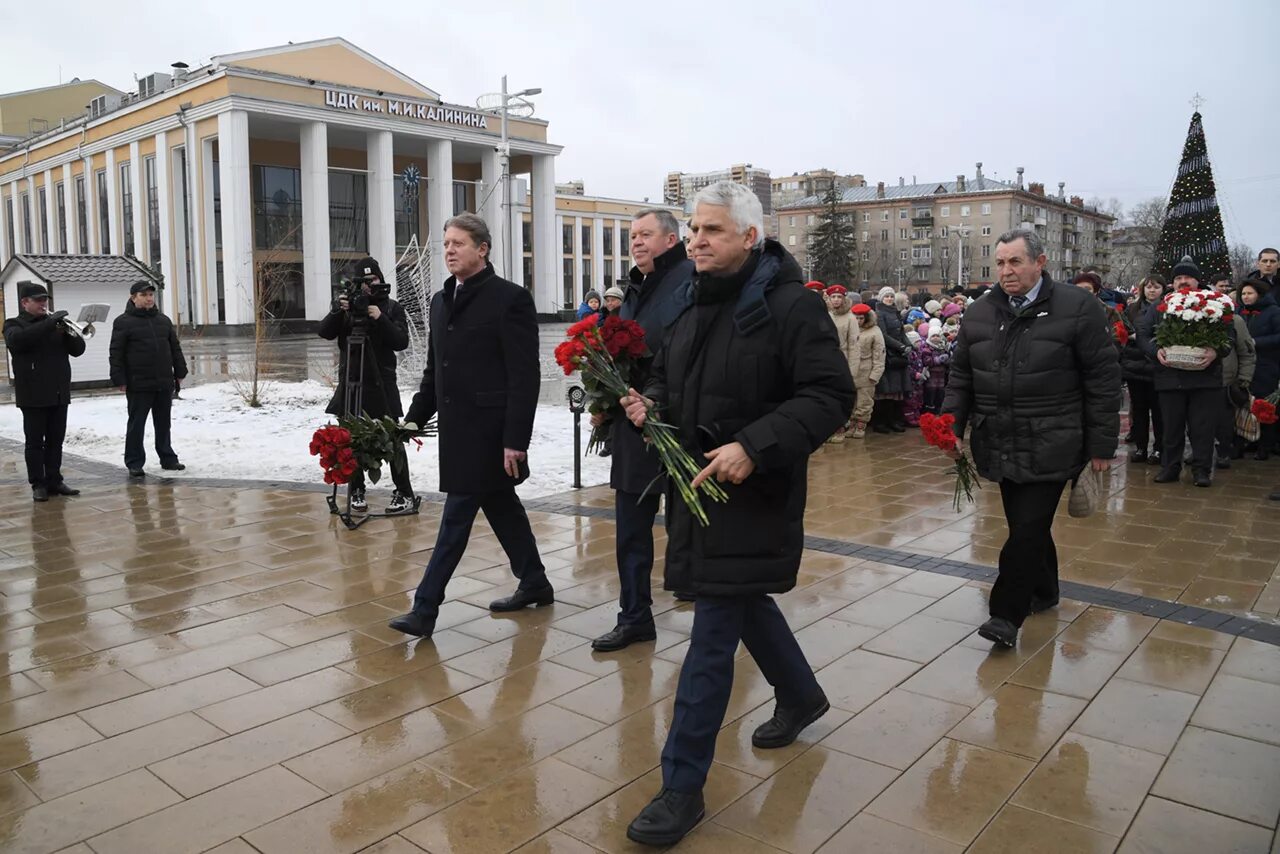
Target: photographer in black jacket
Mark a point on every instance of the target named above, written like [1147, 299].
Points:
[386, 329]
[39, 347]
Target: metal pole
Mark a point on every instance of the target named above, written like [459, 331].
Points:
[577, 450]
[506, 187]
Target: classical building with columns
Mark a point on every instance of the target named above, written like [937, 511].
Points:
[281, 165]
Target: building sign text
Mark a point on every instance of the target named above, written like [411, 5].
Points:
[438, 113]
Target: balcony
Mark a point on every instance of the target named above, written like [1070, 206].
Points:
[921, 262]
[922, 221]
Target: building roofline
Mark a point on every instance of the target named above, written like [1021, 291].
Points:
[30, 261]
[816, 202]
[231, 58]
[59, 86]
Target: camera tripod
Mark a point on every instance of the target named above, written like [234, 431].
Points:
[353, 404]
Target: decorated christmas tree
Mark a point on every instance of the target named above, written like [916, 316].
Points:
[1193, 223]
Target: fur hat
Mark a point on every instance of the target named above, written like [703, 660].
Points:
[1186, 267]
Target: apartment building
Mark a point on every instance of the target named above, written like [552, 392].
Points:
[681, 187]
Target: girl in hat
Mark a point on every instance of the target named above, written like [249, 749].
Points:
[847, 334]
[869, 368]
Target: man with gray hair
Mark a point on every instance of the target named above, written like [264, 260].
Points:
[481, 378]
[752, 378]
[655, 289]
[1035, 378]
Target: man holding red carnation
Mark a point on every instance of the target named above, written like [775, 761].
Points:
[1036, 380]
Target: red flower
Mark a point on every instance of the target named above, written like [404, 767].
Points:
[1265, 412]
[1162, 307]
[1122, 334]
[587, 324]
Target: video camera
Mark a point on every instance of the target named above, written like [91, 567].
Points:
[351, 288]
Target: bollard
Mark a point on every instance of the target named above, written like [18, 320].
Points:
[577, 405]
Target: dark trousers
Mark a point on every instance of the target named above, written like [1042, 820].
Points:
[400, 479]
[1029, 559]
[1144, 413]
[510, 525]
[44, 428]
[932, 399]
[141, 403]
[634, 552]
[706, 679]
[1225, 436]
[1195, 412]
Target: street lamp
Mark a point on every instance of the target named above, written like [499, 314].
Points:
[505, 154]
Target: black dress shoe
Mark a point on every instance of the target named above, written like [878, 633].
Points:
[1154, 459]
[1138, 457]
[414, 623]
[898, 426]
[1041, 603]
[173, 467]
[60, 488]
[684, 596]
[667, 818]
[137, 473]
[1202, 478]
[39, 493]
[1168, 475]
[522, 599]
[999, 630]
[881, 428]
[623, 636]
[785, 725]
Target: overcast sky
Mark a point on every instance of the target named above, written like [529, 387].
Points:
[1092, 93]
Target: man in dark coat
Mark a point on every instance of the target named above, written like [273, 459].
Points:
[1036, 379]
[752, 378]
[482, 379]
[655, 289]
[39, 350]
[386, 329]
[1268, 268]
[147, 365]
[1190, 400]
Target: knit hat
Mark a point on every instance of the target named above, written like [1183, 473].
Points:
[1186, 267]
[368, 267]
[884, 292]
[951, 309]
[815, 286]
[861, 308]
[935, 328]
[913, 337]
[591, 295]
[837, 290]
[922, 327]
[615, 292]
[933, 307]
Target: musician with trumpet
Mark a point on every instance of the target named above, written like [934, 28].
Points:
[40, 351]
[147, 365]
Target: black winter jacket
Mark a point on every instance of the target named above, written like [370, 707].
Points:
[388, 335]
[145, 354]
[38, 353]
[1263, 320]
[1039, 389]
[779, 386]
[482, 378]
[897, 351]
[654, 301]
[1135, 365]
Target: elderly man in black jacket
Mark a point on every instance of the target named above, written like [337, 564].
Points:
[386, 332]
[39, 347]
[482, 379]
[653, 299]
[753, 379]
[147, 365]
[1035, 377]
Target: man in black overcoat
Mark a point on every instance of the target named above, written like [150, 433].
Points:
[481, 380]
[39, 350]
[653, 300]
[752, 378]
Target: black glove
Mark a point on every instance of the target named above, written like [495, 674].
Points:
[58, 315]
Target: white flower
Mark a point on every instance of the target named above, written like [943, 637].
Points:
[1189, 315]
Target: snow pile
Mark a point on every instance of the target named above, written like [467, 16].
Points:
[218, 435]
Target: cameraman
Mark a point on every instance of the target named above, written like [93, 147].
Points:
[39, 345]
[386, 328]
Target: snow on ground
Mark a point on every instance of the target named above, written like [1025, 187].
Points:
[218, 435]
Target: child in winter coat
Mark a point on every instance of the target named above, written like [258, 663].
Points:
[847, 334]
[933, 358]
[869, 368]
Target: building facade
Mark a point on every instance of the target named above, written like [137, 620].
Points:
[279, 165]
[928, 237]
[789, 189]
[681, 187]
[33, 111]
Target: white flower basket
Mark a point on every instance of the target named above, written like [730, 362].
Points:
[1185, 358]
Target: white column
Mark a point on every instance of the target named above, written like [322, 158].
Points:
[190, 236]
[33, 199]
[20, 217]
[91, 206]
[237, 219]
[439, 203]
[6, 251]
[545, 255]
[314, 145]
[50, 215]
[489, 202]
[165, 203]
[206, 299]
[70, 217]
[141, 237]
[597, 256]
[382, 202]
[116, 246]
[519, 201]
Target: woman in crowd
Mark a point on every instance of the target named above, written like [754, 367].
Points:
[894, 385]
[1139, 373]
[1262, 316]
[847, 334]
[870, 366]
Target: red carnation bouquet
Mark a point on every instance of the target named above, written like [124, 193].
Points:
[362, 442]
[939, 431]
[606, 356]
[1264, 410]
[333, 445]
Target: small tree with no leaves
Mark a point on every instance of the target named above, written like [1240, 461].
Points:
[833, 243]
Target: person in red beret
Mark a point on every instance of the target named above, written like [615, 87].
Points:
[819, 289]
[869, 367]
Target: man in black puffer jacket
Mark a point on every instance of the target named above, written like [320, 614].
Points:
[1036, 379]
[147, 365]
[752, 378]
[39, 347]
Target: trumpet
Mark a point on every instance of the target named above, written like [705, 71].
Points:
[70, 325]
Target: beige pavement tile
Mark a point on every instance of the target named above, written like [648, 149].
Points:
[1137, 715]
[963, 675]
[15, 794]
[1253, 660]
[206, 660]
[884, 608]
[1022, 721]
[1087, 781]
[1163, 827]
[240, 755]
[734, 747]
[112, 757]
[712, 838]
[825, 640]
[951, 791]
[868, 833]
[360, 816]
[107, 661]
[1104, 628]
[624, 692]
[526, 648]
[1066, 667]
[964, 605]
[1191, 634]
[919, 638]
[317, 628]
[67, 820]
[293, 662]
[68, 699]
[391, 699]
[1014, 830]
[41, 655]
[393, 845]
[160, 703]
[1243, 707]
[401, 658]
[1224, 774]
[34, 743]
[1173, 664]
[501, 699]
[505, 816]
[17, 685]
[584, 658]
[803, 805]
[551, 842]
[212, 818]
[858, 679]
[248, 708]
[897, 729]
[245, 624]
[626, 750]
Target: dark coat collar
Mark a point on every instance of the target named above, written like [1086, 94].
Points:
[1002, 298]
[469, 287]
[661, 264]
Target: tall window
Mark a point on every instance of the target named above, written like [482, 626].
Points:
[586, 239]
[459, 197]
[277, 208]
[82, 217]
[566, 240]
[407, 220]
[586, 274]
[61, 191]
[26, 223]
[625, 239]
[348, 212]
[153, 209]
[44, 220]
[217, 207]
[526, 237]
[8, 220]
[104, 214]
[608, 242]
[126, 207]
[569, 301]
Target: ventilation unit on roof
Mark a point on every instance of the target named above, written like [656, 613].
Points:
[153, 83]
[102, 105]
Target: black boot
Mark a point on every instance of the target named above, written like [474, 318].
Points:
[1000, 631]
[39, 493]
[413, 623]
[1169, 475]
[522, 599]
[667, 818]
[785, 725]
[623, 636]
[897, 422]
